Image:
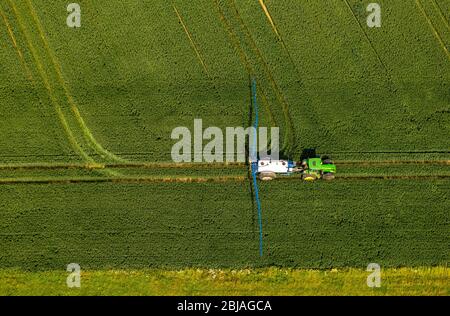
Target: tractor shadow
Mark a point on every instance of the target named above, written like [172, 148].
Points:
[308, 153]
[311, 153]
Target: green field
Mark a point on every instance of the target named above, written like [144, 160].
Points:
[86, 173]
[215, 225]
[340, 97]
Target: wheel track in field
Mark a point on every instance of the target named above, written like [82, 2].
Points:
[393, 152]
[441, 13]
[391, 162]
[433, 28]
[244, 59]
[373, 177]
[278, 34]
[16, 47]
[19, 54]
[313, 117]
[197, 50]
[50, 93]
[367, 38]
[85, 130]
[389, 80]
[278, 92]
[269, 17]
[191, 41]
[203, 166]
[337, 153]
[23, 61]
[124, 180]
[221, 179]
[131, 165]
[434, 13]
[41, 72]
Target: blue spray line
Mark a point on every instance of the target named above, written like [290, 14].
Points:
[254, 165]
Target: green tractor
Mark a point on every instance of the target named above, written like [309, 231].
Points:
[310, 169]
[317, 168]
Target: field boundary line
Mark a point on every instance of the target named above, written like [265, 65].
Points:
[367, 38]
[48, 87]
[433, 28]
[85, 130]
[244, 59]
[191, 41]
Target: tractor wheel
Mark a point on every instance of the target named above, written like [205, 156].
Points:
[267, 176]
[309, 177]
[328, 176]
[327, 162]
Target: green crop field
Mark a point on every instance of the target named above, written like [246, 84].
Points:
[215, 225]
[86, 172]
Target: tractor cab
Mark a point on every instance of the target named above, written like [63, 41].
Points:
[318, 168]
[313, 163]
